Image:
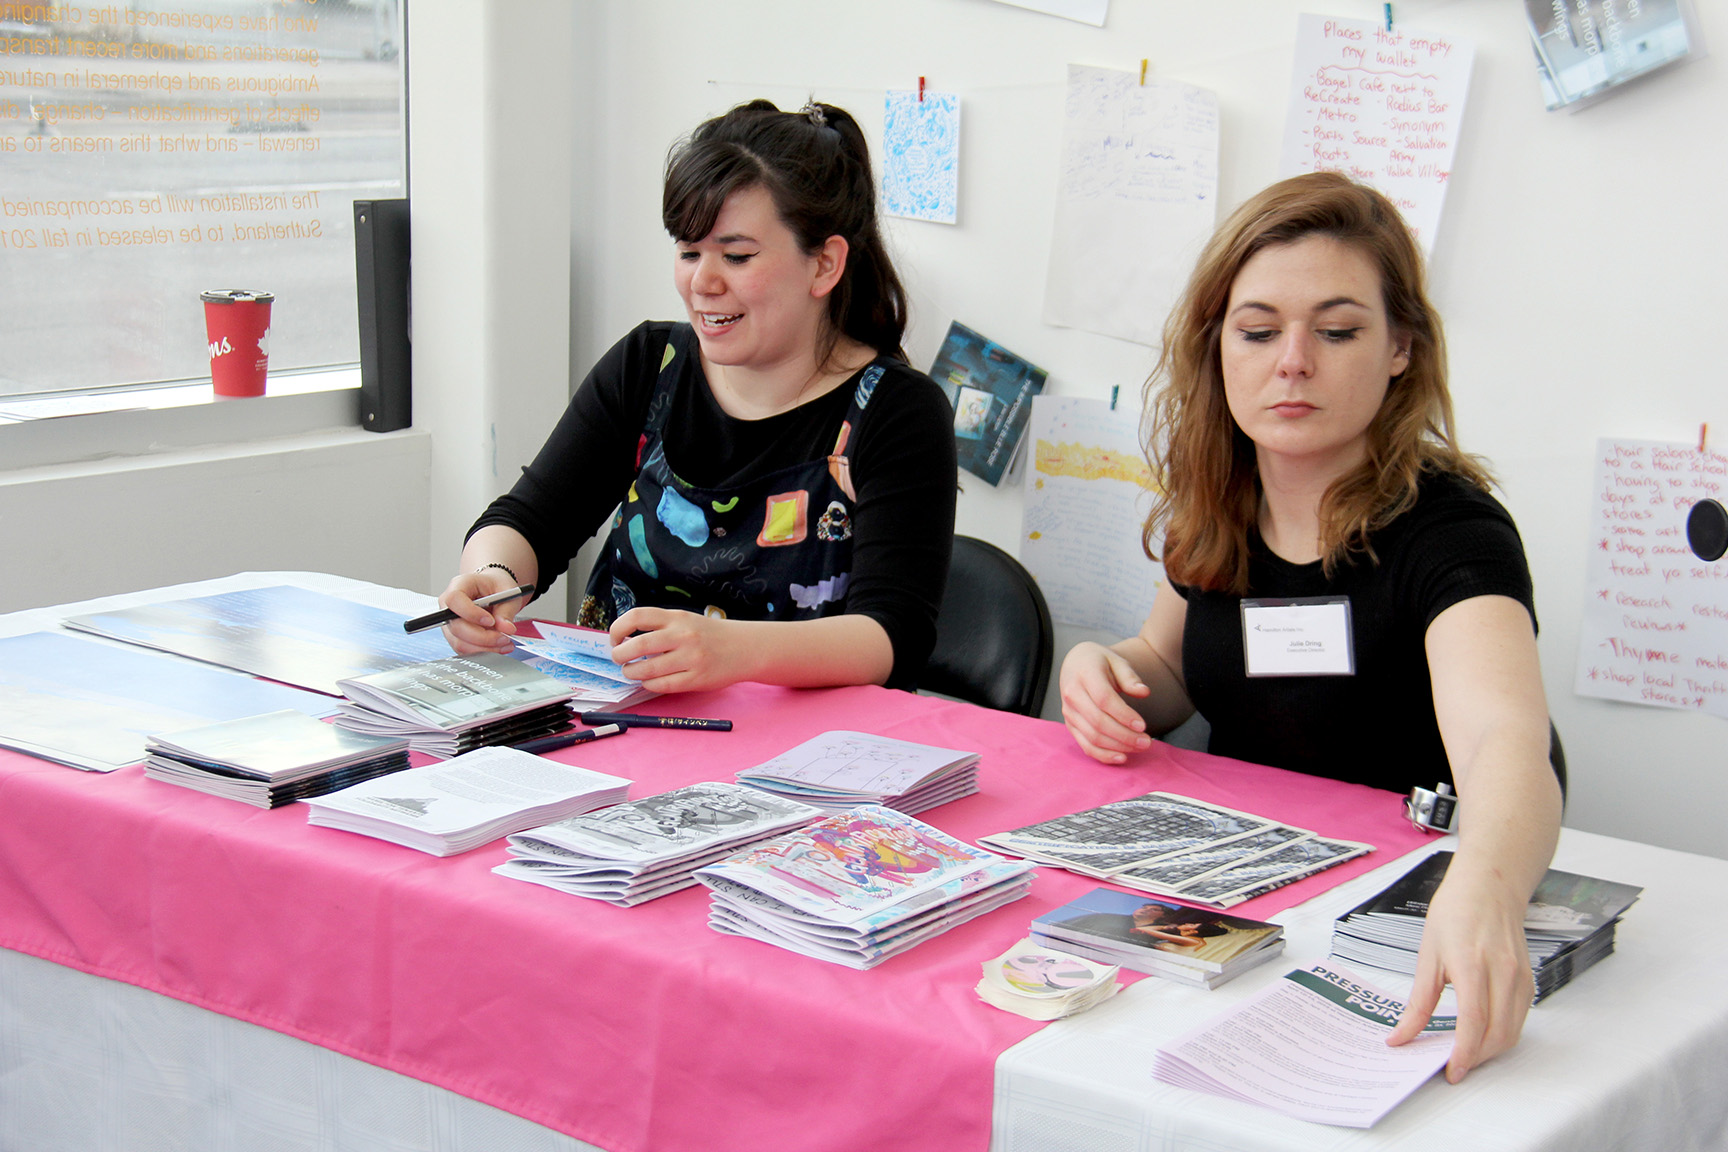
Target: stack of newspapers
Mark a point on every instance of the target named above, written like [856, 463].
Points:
[632, 853]
[1568, 926]
[272, 759]
[858, 887]
[840, 770]
[1180, 942]
[467, 801]
[450, 706]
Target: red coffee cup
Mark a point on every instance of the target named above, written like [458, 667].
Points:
[238, 324]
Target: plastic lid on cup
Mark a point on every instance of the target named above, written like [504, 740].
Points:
[236, 296]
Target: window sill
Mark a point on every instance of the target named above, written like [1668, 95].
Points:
[51, 430]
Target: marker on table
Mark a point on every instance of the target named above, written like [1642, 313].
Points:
[566, 739]
[631, 720]
[445, 615]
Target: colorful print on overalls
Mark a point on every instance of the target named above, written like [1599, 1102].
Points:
[777, 548]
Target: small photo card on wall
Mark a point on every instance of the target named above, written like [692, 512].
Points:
[921, 155]
[1381, 106]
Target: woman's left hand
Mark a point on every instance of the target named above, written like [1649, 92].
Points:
[1473, 940]
[675, 651]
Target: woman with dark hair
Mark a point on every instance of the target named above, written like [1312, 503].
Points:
[783, 479]
[1346, 598]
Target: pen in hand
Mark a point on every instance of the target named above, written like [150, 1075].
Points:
[566, 739]
[445, 615]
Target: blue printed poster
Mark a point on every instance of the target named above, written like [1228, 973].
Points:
[921, 155]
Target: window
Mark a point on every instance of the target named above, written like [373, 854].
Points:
[158, 148]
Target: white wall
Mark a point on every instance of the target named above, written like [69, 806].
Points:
[1578, 264]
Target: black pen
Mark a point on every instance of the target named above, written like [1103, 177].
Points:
[631, 720]
[566, 739]
[445, 615]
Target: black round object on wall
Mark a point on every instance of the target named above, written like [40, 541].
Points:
[1707, 530]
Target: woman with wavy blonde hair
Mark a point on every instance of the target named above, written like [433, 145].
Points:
[1345, 599]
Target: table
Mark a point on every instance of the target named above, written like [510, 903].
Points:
[172, 890]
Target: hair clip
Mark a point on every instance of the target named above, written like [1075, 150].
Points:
[814, 111]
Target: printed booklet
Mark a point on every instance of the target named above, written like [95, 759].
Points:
[1176, 846]
[449, 706]
[1568, 926]
[632, 853]
[467, 801]
[858, 887]
[991, 390]
[272, 759]
[1160, 937]
[840, 770]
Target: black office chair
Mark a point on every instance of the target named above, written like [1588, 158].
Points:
[1557, 757]
[994, 639]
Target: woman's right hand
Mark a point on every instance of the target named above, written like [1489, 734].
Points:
[1094, 683]
[478, 629]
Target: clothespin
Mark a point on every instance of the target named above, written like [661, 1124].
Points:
[920, 89]
[1703, 430]
[1115, 391]
[1142, 84]
[1388, 8]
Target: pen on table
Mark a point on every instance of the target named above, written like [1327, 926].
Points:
[566, 739]
[445, 615]
[631, 720]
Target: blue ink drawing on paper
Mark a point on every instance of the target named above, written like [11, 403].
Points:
[921, 156]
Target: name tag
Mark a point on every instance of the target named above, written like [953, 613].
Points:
[1303, 637]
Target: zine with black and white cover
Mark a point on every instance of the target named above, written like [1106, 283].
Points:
[454, 704]
[672, 825]
[467, 801]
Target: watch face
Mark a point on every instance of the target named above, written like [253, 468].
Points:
[1045, 972]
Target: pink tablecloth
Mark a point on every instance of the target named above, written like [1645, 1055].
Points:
[634, 1029]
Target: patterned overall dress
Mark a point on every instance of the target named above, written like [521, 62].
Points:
[776, 548]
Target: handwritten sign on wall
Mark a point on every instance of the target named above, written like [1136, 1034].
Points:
[1655, 627]
[1381, 106]
[1085, 500]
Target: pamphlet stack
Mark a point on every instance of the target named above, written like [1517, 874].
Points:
[1568, 926]
[450, 706]
[467, 801]
[272, 759]
[634, 852]
[1179, 942]
[840, 770]
[858, 887]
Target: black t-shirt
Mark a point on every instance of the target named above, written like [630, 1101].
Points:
[1377, 726]
[902, 464]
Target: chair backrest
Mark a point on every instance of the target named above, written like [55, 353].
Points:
[994, 639]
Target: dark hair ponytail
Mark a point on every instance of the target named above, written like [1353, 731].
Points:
[815, 165]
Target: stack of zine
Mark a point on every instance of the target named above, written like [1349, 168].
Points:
[1175, 846]
[839, 770]
[272, 759]
[1568, 926]
[450, 706]
[858, 887]
[631, 853]
[1029, 981]
[1159, 937]
[466, 801]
